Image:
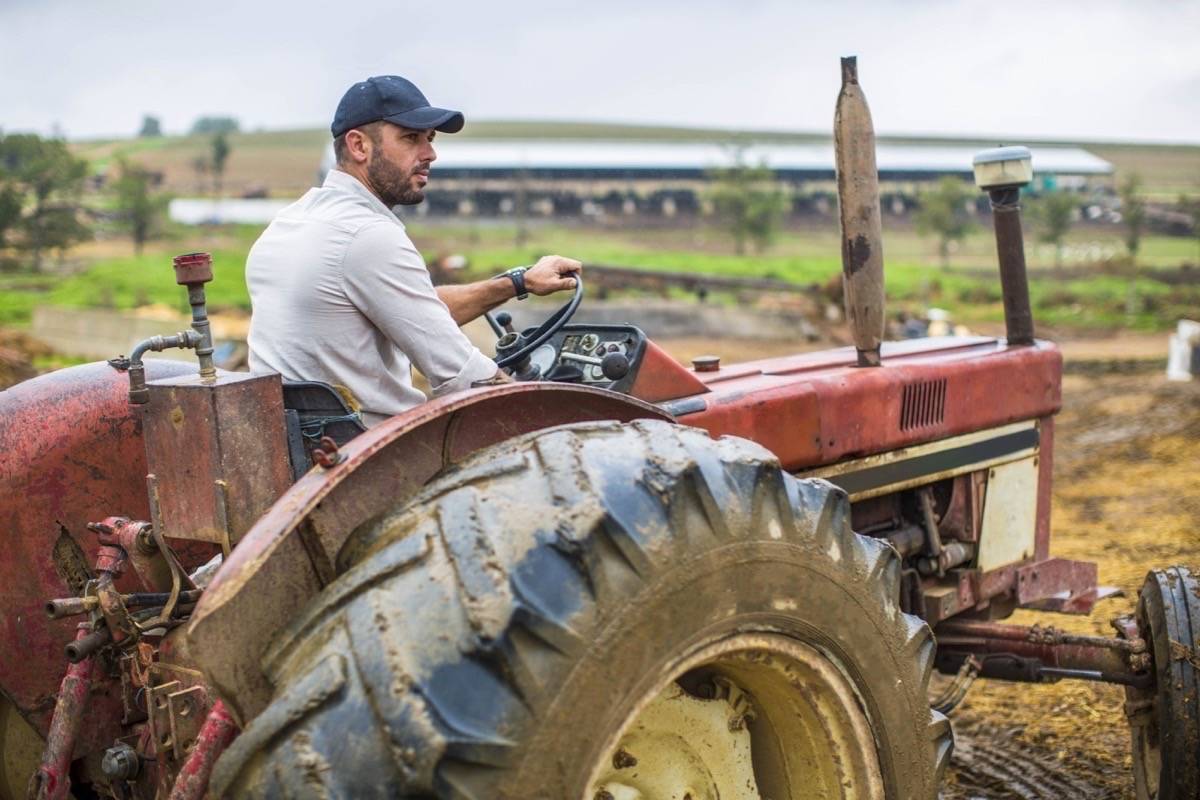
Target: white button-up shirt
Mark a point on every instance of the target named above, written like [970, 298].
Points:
[341, 295]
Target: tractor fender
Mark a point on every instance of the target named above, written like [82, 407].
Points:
[288, 556]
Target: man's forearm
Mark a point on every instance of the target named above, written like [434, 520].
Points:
[469, 300]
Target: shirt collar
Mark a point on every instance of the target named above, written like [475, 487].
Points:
[336, 179]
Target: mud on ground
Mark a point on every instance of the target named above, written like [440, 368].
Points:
[1127, 495]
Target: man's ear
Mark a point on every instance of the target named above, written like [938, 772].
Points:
[358, 145]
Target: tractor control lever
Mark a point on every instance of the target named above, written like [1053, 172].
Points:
[614, 365]
[504, 320]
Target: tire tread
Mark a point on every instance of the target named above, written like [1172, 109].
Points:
[487, 625]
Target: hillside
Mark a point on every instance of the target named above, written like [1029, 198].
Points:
[285, 162]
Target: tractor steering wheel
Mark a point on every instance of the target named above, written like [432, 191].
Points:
[512, 348]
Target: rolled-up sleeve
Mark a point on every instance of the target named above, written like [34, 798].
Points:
[385, 277]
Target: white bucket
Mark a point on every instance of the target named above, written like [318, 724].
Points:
[1183, 352]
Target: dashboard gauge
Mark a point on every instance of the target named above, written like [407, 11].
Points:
[543, 358]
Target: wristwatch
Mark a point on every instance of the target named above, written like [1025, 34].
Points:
[517, 276]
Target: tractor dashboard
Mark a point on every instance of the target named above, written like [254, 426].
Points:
[601, 356]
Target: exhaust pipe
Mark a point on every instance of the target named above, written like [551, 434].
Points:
[858, 215]
[1001, 173]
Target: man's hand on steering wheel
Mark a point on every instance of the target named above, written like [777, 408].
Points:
[552, 274]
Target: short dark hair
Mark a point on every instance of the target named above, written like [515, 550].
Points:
[371, 129]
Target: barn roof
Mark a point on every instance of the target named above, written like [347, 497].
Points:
[695, 159]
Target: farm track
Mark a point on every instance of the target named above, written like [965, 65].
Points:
[990, 762]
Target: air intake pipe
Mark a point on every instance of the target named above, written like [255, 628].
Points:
[1001, 173]
[858, 214]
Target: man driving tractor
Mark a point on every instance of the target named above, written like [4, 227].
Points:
[339, 292]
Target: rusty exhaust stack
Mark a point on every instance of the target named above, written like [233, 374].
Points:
[1001, 173]
[858, 213]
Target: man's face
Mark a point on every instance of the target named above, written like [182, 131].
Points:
[398, 167]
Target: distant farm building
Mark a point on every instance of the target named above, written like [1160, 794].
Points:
[616, 178]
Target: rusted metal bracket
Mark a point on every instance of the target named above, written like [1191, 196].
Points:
[175, 715]
[1061, 585]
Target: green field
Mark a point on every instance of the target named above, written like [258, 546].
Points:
[970, 291]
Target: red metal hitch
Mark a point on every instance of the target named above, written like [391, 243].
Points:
[1036, 653]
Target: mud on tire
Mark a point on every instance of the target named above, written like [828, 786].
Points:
[487, 638]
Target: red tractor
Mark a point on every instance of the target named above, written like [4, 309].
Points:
[627, 579]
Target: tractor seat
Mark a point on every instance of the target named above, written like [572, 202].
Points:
[313, 409]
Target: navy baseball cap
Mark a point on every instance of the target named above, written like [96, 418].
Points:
[393, 99]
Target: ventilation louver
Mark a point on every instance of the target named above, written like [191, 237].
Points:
[923, 404]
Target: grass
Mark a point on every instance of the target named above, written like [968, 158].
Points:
[129, 281]
[809, 256]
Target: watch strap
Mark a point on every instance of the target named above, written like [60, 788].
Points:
[517, 276]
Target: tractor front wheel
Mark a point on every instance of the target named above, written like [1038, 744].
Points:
[606, 612]
[1165, 720]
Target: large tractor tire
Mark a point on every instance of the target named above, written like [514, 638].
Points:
[607, 612]
[1165, 720]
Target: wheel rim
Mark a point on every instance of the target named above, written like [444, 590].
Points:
[749, 717]
[1147, 760]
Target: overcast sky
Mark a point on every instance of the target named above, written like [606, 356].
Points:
[1094, 69]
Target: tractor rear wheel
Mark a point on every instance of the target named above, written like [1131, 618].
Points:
[1165, 720]
[607, 612]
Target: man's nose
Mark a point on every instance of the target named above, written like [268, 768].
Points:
[429, 154]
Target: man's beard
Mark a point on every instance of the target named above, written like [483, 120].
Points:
[392, 184]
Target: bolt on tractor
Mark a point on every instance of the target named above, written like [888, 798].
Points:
[615, 578]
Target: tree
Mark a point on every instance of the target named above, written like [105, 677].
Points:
[40, 182]
[141, 210]
[220, 154]
[1133, 213]
[10, 211]
[200, 165]
[151, 127]
[943, 211]
[750, 202]
[1053, 214]
[1191, 207]
[213, 124]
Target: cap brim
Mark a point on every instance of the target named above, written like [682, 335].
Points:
[430, 118]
